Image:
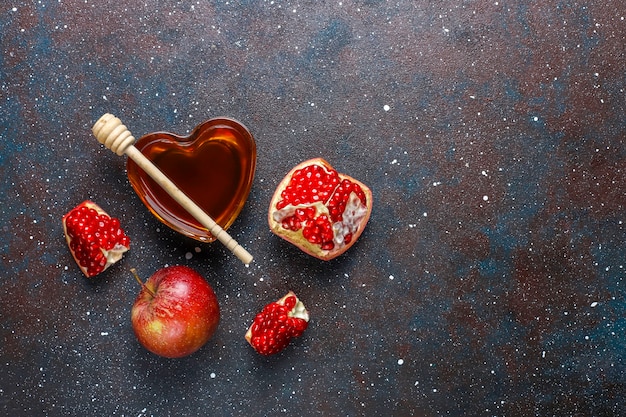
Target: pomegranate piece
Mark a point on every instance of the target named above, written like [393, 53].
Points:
[319, 210]
[278, 323]
[95, 239]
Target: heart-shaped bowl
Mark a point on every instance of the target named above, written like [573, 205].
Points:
[214, 166]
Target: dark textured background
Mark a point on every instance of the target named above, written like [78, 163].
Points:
[489, 281]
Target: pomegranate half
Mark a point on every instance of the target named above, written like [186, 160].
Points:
[320, 210]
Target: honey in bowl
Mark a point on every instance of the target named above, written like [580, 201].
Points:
[214, 166]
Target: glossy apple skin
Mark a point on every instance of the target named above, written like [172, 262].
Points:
[180, 318]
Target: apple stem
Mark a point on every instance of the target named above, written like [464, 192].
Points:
[134, 271]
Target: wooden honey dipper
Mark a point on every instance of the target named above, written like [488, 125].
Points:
[110, 132]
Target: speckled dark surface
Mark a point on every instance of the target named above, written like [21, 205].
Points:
[489, 281]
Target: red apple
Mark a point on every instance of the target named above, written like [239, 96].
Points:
[175, 313]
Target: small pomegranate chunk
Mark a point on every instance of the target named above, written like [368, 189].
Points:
[278, 323]
[320, 210]
[95, 239]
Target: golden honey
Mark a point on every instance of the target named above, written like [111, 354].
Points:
[214, 166]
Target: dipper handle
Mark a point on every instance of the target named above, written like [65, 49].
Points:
[110, 132]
